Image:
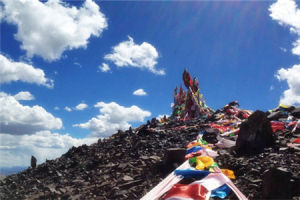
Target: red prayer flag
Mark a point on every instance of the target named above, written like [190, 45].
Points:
[188, 81]
[184, 192]
[297, 140]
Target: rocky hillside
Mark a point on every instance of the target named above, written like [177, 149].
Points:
[128, 164]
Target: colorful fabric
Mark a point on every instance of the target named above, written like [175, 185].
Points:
[190, 173]
[228, 173]
[296, 141]
[186, 192]
[221, 192]
[203, 162]
[187, 80]
[193, 149]
[212, 181]
[194, 154]
[277, 126]
[192, 144]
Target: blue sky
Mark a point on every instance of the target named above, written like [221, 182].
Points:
[74, 71]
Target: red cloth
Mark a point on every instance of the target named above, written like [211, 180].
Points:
[230, 111]
[182, 192]
[275, 123]
[187, 80]
[293, 123]
[220, 127]
[242, 114]
[297, 140]
[194, 154]
[277, 126]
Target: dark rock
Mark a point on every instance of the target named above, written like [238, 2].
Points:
[296, 187]
[172, 159]
[210, 135]
[175, 155]
[277, 184]
[255, 134]
[33, 162]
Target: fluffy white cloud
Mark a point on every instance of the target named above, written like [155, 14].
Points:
[68, 109]
[114, 117]
[291, 75]
[104, 67]
[18, 119]
[286, 12]
[1, 13]
[19, 71]
[56, 108]
[128, 53]
[16, 150]
[25, 96]
[48, 29]
[139, 92]
[81, 106]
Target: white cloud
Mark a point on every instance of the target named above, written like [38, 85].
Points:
[25, 96]
[139, 92]
[25, 131]
[81, 106]
[286, 13]
[1, 14]
[19, 71]
[78, 64]
[48, 29]
[271, 87]
[68, 109]
[56, 108]
[291, 75]
[16, 150]
[104, 67]
[18, 119]
[283, 49]
[142, 56]
[112, 118]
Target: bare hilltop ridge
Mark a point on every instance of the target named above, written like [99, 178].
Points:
[260, 148]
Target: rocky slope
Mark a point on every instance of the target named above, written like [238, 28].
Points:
[128, 164]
